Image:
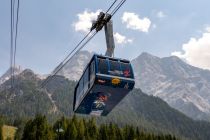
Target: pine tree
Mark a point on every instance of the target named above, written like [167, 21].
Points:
[38, 129]
[126, 132]
[87, 136]
[1, 136]
[92, 129]
[1, 125]
[60, 125]
[119, 134]
[20, 124]
[81, 130]
[112, 132]
[131, 133]
[75, 121]
[71, 132]
[103, 132]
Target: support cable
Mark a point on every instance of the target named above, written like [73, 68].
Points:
[111, 6]
[118, 7]
[11, 40]
[83, 45]
[15, 45]
[68, 58]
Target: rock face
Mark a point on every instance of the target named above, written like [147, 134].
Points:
[26, 97]
[6, 76]
[184, 87]
[74, 69]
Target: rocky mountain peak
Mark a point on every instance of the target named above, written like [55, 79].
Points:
[73, 70]
[146, 57]
[27, 73]
[176, 82]
[6, 76]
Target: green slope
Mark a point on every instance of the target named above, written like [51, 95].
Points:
[148, 112]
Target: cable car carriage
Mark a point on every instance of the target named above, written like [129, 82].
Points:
[103, 85]
[106, 80]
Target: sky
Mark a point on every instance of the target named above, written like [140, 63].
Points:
[49, 30]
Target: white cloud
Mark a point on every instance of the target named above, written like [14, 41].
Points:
[133, 21]
[85, 19]
[160, 14]
[197, 51]
[208, 29]
[120, 39]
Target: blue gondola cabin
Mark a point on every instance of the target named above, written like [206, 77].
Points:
[104, 83]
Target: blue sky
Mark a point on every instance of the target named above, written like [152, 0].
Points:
[47, 31]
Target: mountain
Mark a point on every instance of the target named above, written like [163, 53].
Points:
[6, 76]
[182, 86]
[74, 69]
[147, 112]
[25, 99]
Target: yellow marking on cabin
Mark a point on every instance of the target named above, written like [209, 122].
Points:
[115, 81]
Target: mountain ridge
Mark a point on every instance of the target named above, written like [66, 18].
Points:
[17, 70]
[181, 85]
[147, 112]
[169, 78]
[175, 82]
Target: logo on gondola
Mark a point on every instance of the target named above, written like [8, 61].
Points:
[101, 81]
[126, 73]
[126, 86]
[98, 105]
[115, 81]
[116, 72]
[103, 98]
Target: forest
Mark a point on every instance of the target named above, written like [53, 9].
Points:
[77, 128]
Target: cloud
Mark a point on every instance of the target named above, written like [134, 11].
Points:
[85, 19]
[133, 21]
[197, 51]
[208, 29]
[160, 14]
[120, 39]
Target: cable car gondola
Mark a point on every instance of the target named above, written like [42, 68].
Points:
[106, 80]
[103, 85]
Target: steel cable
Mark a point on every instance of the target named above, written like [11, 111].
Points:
[63, 63]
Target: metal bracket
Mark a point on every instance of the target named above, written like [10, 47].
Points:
[105, 20]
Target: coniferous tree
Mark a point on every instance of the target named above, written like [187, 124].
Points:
[137, 133]
[103, 132]
[131, 133]
[60, 128]
[1, 135]
[20, 124]
[86, 134]
[126, 132]
[142, 136]
[38, 129]
[1, 124]
[92, 129]
[119, 133]
[81, 130]
[149, 137]
[112, 131]
[71, 132]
